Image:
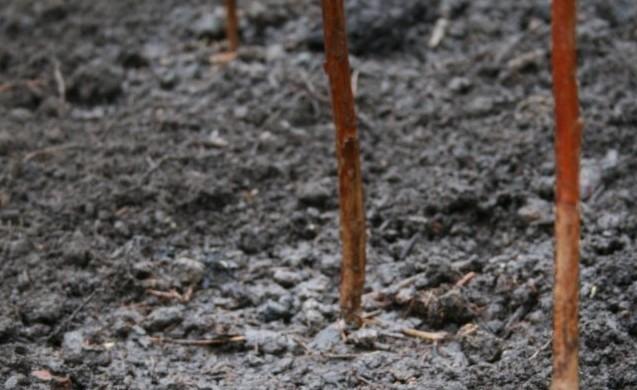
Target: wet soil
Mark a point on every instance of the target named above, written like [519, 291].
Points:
[150, 198]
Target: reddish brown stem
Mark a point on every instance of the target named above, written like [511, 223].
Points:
[352, 213]
[567, 224]
[232, 25]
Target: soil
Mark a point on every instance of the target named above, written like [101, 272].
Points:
[151, 198]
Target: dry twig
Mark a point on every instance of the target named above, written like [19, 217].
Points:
[173, 295]
[48, 151]
[465, 279]
[427, 336]
[222, 340]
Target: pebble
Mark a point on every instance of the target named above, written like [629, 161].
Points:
[275, 52]
[295, 257]
[168, 79]
[143, 269]
[330, 264]
[536, 210]
[593, 171]
[327, 338]
[72, 346]
[277, 310]
[364, 338]
[19, 247]
[481, 105]
[35, 331]
[460, 85]
[590, 178]
[125, 319]
[163, 317]
[121, 228]
[313, 317]
[209, 25]
[286, 277]
[9, 143]
[480, 346]
[96, 83]
[77, 251]
[632, 325]
[315, 194]
[7, 327]
[268, 341]
[16, 381]
[312, 312]
[47, 309]
[313, 288]
[187, 271]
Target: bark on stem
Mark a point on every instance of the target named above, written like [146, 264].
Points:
[232, 25]
[567, 223]
[352, 213]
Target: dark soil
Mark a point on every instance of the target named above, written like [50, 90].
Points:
[149, 196]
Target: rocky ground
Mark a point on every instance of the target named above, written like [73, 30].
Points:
[171, 223]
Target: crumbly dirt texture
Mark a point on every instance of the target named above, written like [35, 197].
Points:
[152, 197]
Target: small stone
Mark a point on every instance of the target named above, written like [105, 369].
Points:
[35, 331]
[76, 251]
[19, 247]
[364, 338]
[330, 263]
[125, 320]
[133, 58]
[24, 280]
[274, 52]
[632, 325]
[7, 328]
[283, 365]
[590, 177]
[164, 317]
[47, 309]
[481, 346]
[21, 114]
[454, 355]
[216, 140]
[313, 288]
[611, 160]
[327, 338]
[240, 112]
[286, 278]
[16, 381]
[72, 346]
[9, 142]
[481, 105]
[274, 311]
[460, 84]
[405, 295]
[544, 186]
[313, 317]
[121, 228]
[96, 83]
[143, 269]
[188, 272]
[268, 341]
[315, 194]
[536, 210]
[252, 241]
[209, 25]
[168, 80]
